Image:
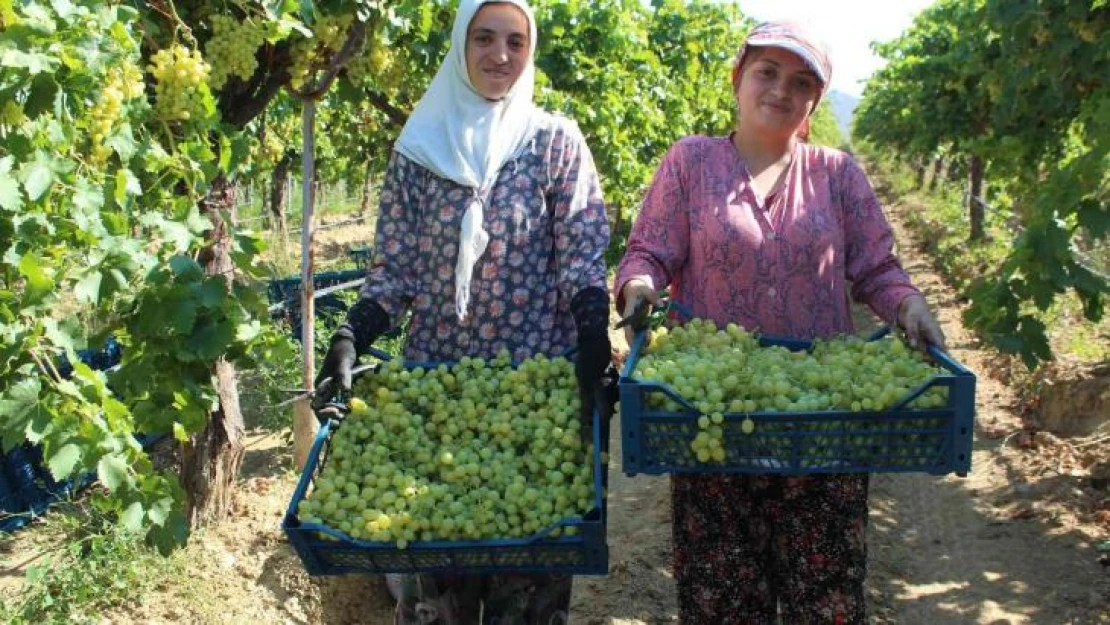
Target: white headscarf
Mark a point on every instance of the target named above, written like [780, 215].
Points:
[459, 135]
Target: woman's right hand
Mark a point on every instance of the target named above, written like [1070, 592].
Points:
[633, 293]
[335, 373]
[919, 324]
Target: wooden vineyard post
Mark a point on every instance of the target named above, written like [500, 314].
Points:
[304, 421]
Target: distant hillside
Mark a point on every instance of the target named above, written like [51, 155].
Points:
[843, 106]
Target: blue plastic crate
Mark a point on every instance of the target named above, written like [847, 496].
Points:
[27, 488]
[327, 551]
[287, 292]
[361, 256]
[903, 439]
[288, 289]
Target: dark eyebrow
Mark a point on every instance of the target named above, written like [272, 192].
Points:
[807, 71]
[489, 31]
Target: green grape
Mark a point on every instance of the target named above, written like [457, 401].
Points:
[726, 371]
[181, 84]
[311, 54]
[233, 47]
[435, 454]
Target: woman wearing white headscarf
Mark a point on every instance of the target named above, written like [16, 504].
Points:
[492, 233]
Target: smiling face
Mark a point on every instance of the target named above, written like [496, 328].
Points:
[497, 49]
[776, 91]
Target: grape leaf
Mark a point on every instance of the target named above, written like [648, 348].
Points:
[38, 177]
[38, 284]
[114, 472]
[61, 464]
[132, 517]
[10, 196]
[87, 289]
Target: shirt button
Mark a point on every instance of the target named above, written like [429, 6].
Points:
[772, 292]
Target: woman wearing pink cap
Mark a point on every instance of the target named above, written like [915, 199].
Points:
[761, 229]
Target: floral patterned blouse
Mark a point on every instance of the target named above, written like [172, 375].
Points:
[548, 233]
[780, 266]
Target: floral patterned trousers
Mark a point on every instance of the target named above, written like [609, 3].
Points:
[749, 549]
[508, 599]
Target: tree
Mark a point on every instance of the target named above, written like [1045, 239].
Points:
[1019, 90]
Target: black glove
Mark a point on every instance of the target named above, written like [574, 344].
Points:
[366, 321]
[590, 308]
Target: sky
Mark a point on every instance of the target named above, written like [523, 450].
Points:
[847, 26]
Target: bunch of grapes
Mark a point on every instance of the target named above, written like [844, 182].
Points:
[374, 61]
[726, 372]
[181, 84]
[311, 54]
[232, 48]
[124, 83]
[471, 451]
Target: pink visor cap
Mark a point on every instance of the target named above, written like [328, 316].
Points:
[794, 38]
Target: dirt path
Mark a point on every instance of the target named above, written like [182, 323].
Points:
[1003, 546]
[995, 547]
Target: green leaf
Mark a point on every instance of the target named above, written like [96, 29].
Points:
[87, 289]
[126, 184]
[38, 283]
[132, 517]
[171, 534]
[182, 316]
[246, 332]
[160, 511]
[211, 292]
[61, 464]
[211, 340]
[10, 197]
[64, 8]
[37, 178]
[33, 62]
[123, 142]
[114, 472]
[60, 332]
[185, 268]
[88, 196]
[20, 404]
[197, 223]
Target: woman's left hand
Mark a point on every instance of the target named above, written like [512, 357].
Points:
[919, 324]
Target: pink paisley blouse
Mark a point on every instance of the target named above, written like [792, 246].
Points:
[781, 267]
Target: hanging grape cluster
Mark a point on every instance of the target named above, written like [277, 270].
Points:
[233, 47]
[472, 451]
[311, 54]
[374, 62]
[124, 83]
[181, 84]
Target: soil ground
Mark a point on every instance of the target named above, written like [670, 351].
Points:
[1012, 543]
